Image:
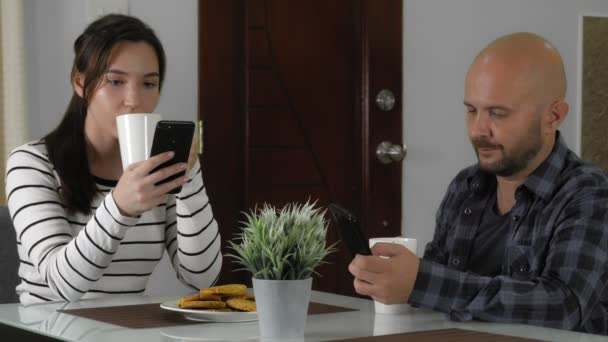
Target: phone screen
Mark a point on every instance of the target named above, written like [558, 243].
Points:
[350, 230]
[173, 136]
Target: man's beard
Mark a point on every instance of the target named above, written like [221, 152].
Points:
[512, 161]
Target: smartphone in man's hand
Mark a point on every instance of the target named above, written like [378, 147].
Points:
[173, 136]
[350, 230]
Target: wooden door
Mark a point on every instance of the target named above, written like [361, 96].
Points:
[287, 96]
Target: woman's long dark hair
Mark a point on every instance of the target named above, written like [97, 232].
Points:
[66, 144]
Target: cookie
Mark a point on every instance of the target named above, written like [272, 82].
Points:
[199, 304]
[210, 297]
[241, 304]
[225, 290]
[187, 298]
[243, 296]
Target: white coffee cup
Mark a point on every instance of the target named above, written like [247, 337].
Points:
[135, 136]
[411, 244]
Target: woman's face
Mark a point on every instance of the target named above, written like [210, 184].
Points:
[130, 85]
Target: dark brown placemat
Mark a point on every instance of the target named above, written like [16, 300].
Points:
[152, 316]
[133, 316]
[318, 308]
[443, 335]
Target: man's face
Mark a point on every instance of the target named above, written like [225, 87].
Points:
[503, 118]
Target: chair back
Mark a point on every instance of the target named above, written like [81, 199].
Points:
[9, 258]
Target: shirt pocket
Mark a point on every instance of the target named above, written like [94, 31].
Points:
[519, 262]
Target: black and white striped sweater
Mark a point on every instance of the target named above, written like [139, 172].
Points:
[66, 257]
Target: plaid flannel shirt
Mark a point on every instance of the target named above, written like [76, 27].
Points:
[555, 263]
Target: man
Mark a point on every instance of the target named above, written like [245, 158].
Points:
[521, 237]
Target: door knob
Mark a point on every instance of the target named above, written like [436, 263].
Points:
[385, 100]
[388, 152]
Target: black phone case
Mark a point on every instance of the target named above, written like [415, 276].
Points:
[350, 230]
[173, 136]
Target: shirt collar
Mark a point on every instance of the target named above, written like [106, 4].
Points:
[544, 179]
[541, 181]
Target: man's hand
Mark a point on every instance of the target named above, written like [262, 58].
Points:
[387, 280]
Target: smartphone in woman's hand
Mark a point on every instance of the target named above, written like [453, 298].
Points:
[173, 136]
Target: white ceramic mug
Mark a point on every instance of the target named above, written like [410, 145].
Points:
[411, 244]
[135, 136]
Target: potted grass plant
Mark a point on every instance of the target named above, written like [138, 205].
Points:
[281, 248]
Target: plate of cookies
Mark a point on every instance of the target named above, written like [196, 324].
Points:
[223, 303]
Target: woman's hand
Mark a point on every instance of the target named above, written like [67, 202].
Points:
[136, 191]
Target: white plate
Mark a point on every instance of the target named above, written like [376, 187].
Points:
[210, 316]
[213, 332]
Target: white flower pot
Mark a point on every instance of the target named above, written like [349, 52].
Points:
[282, 306]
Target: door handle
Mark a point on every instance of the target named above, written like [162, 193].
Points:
[387, 152]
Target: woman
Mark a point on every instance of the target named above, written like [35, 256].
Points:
[84, 227]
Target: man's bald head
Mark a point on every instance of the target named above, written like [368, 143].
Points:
[531, 59]
[514, 94]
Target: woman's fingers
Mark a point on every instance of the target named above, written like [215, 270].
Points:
[165, 172]
[145, 167]
[163, 189]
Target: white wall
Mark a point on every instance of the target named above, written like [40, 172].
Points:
[441, 37]
[52, 27]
